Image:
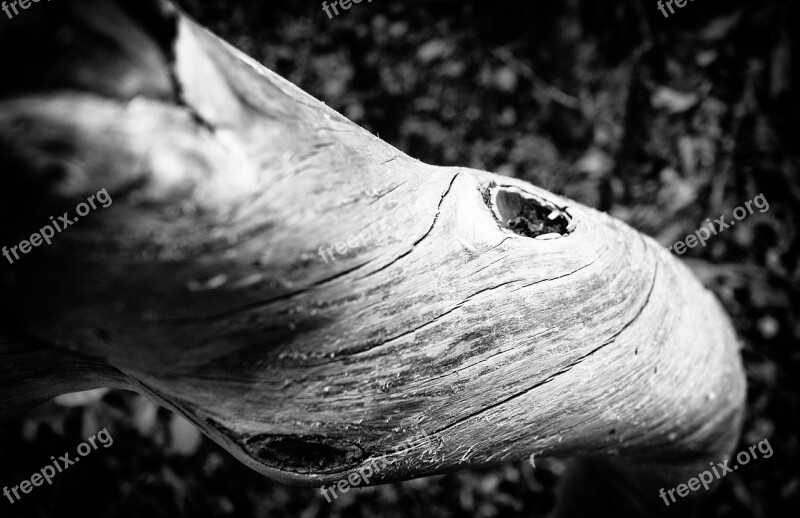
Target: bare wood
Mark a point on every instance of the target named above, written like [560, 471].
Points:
[207, 285]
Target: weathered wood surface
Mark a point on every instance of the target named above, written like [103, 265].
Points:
[209, 284]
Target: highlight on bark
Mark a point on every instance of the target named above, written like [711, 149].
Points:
[499, 318]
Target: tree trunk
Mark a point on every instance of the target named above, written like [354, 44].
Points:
[310, 296]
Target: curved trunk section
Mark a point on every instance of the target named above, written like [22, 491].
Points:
[310, 296]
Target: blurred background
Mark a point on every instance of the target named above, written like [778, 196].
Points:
[660, 121]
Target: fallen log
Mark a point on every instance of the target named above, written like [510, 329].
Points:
[310, 297]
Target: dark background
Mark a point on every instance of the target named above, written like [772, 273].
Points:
[661, 122]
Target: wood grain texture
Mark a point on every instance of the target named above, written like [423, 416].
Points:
[207, 285]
